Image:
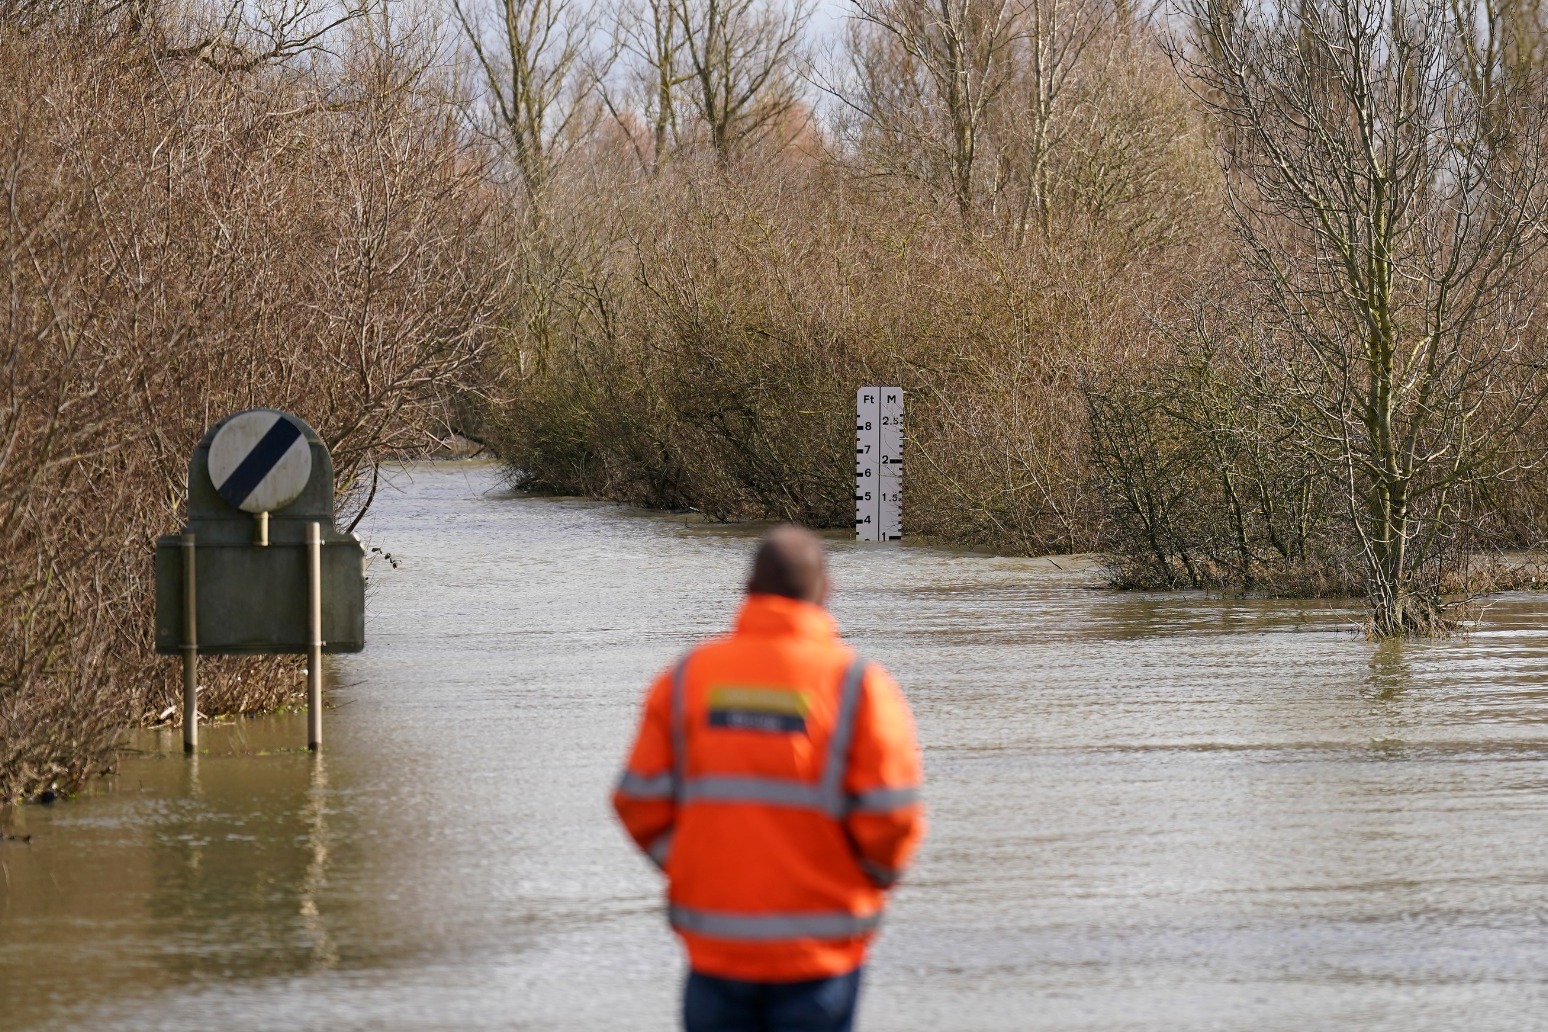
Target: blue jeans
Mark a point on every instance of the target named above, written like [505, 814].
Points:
[713, 1004]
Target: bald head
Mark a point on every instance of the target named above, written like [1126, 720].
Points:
[790, 562]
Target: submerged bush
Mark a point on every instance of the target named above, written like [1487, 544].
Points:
[1208, 475]
[182, 241]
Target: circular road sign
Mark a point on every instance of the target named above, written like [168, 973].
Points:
[260, 460]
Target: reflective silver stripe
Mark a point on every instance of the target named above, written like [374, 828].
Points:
[882, 876]
[881, 800]
[837, 765]
[721, 924]
[661, 849]
[679, 726]
[637, 786]
[773, 791]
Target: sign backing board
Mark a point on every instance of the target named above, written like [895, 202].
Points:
[250, 598]
[879, 464]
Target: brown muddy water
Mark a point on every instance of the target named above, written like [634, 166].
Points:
[1150, 812]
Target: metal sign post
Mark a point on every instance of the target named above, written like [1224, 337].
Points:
[190, 644]
[879, 464]
[314, 638]
[260, 568]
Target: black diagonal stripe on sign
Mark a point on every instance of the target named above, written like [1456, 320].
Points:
[265, 454]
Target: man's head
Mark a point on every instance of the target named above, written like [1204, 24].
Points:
[790, 562]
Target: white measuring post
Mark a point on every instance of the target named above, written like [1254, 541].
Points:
[879, 464]
[892, 463]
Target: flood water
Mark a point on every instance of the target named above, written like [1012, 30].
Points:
[1149, 812]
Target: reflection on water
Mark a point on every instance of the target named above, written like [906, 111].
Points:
[1150, 812]
[177, 873]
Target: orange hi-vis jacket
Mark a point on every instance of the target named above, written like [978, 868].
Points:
[776, 781]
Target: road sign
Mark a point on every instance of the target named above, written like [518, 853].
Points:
[238, 581]
[879, 464]
[260, 460]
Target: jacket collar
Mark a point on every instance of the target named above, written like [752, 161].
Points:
[775, 615]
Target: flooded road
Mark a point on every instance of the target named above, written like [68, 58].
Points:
[1149, 812]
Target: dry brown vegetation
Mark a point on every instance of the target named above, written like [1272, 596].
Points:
[1243, 299]
[1320, 371]
[721, 309]
[1347, 411]
[182, 240]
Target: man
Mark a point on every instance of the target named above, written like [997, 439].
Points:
[775, 781]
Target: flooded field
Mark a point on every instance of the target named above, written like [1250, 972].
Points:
[1149, 812]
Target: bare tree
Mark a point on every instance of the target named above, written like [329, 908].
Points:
[741, 59]
[1387, 229]
[529, 54]
[230, 37]
[929, 73]
[1052, 47]
[1500, 46]
[649, 36]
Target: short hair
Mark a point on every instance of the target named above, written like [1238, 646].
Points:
[789, 562]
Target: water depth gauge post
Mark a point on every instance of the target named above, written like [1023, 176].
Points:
[879, 464]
